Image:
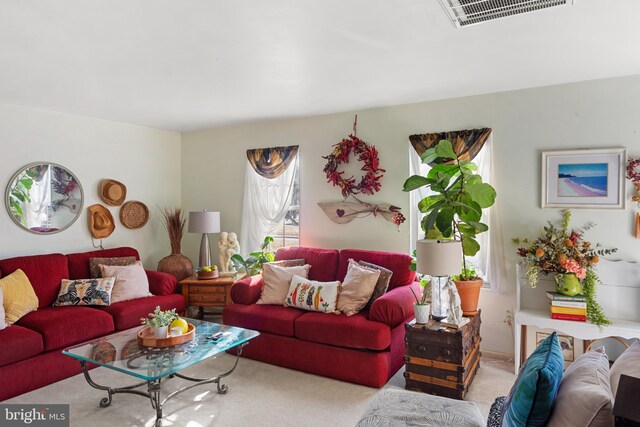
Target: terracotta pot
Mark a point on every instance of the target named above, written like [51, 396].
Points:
[177, 265]
[469, 291]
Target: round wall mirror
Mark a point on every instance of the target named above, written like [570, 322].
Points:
[44, 198]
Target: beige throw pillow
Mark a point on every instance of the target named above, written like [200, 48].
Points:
[584, 397]
[19, 298]
[3, 323]
[277, 280]
[628, 363]
[131, 281]
[357, 288]
[312, 295]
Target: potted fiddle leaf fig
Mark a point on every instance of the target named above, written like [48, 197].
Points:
[454, 210]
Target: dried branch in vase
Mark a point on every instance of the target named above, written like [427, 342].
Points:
[174, 223]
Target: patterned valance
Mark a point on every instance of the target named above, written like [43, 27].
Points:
[466, 143]
[271, 162]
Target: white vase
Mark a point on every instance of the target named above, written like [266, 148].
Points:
[160, 331]
[421, 312]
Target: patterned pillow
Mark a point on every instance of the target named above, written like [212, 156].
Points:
[94, 264]
[85, 292]
[381, 285]
[312, 295]
[531, 398]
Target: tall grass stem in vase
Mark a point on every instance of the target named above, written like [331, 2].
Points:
[175, 264]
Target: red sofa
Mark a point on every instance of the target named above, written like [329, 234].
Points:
[366, 348]
[30, 350]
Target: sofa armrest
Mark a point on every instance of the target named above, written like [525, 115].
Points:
[396, 306]
[161, 283]
[247, 291]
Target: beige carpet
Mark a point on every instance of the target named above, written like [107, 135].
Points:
[259, 395]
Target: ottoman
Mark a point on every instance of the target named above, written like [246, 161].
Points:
[398, 408]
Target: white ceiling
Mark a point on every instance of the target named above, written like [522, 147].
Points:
[193, 64]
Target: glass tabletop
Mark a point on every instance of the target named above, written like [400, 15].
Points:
[121, 351]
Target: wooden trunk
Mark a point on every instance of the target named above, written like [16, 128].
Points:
[442, 361]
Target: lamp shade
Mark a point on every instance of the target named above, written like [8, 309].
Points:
[204, 222]
[439, 257]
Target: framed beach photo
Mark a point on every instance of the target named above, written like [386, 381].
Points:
[584, 178]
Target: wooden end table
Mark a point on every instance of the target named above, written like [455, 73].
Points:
[208, 292]
[440, 360]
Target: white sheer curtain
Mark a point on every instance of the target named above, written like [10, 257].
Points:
[265, 204]
[490, 259]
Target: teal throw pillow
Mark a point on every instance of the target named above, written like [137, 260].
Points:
[531, 399]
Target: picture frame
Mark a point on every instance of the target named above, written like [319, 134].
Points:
[588, 179]
[566, 343]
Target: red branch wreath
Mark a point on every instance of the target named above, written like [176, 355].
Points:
[633, 169]
[365, 153]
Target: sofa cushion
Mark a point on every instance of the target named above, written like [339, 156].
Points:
[79, 262]
[396, 262]
[85, 292]
[127, 314]
[381, 285]
[277, 280]
[18, 297]
[18, 343]
[357, 288]
[94, 264]
[531, 398]
[628, 363]
[311, 295]
[324, 262]
[345, 331]
[45, 272]
[265, 318]
[131, 281]
[585, 397]
[64, 326]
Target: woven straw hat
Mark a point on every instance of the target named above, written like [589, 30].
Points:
[101, 223]
[112, 192]
[134, 214]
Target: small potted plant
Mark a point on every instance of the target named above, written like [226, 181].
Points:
[422, 308]
[159, 321]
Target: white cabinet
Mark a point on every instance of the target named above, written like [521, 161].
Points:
[618, 294]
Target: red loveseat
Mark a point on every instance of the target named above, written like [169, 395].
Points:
[30, 349]
[366, 348]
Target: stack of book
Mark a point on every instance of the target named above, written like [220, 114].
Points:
[564, 307]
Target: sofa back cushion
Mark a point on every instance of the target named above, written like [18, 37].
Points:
[79, 262]
[45, 273]
[324, 262]
[396, 262]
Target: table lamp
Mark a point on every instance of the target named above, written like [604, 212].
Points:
[204, 222]
[439, 259]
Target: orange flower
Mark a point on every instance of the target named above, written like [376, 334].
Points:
[539, 252]
[568, 243]
[594, 260]
[562, 258]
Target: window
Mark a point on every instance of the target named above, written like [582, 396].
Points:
[271, 198]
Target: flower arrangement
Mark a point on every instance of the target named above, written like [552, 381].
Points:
[159, 318]
[633, 170]
[365, 153]
[562, 251]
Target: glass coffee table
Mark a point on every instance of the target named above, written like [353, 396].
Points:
[121, 352]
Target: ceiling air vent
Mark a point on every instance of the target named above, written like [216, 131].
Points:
[470, 12]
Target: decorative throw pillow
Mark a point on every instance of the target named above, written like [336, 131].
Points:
[94, 264]
[131, 281]
[288, 263]
[382, 284]
[85, 292]
[584, 397]
[357, 288]
[277, 280]
[531, 398]
[3, 323]
[19, 298]
[628, 363]
[312, 295]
